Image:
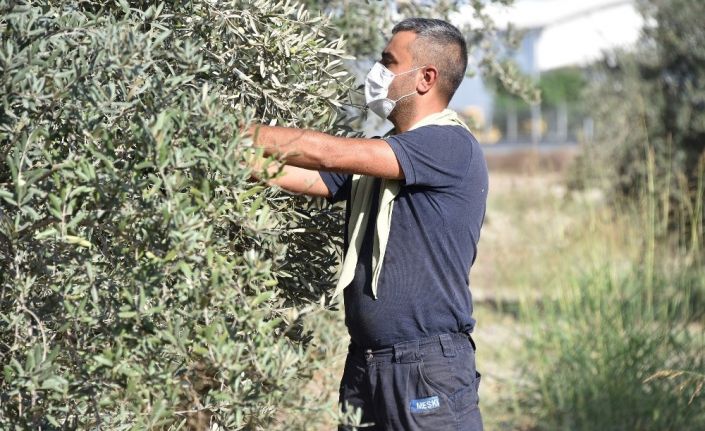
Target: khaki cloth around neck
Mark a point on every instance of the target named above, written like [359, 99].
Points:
[361, 196]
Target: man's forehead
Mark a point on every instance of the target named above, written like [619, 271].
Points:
[399, 46]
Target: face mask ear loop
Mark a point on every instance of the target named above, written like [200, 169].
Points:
[409, 71]
[413, 92]
[406, 95]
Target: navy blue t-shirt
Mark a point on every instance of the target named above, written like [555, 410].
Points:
[423, 289]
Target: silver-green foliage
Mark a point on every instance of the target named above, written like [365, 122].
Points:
[145, 279]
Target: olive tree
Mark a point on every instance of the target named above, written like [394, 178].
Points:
[145, 279]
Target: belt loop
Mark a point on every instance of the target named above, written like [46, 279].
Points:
[406, 352]
[447, 345]
[472, 342]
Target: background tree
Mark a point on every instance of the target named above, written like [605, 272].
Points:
[653, 100]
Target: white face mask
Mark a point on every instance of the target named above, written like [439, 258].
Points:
[376, 87]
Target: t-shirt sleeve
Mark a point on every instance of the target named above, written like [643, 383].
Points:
[435, 156]
[338, 185]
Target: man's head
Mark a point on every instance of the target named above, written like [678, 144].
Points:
[434, 46]
[440, 44]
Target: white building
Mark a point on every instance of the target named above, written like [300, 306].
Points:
[557, 33]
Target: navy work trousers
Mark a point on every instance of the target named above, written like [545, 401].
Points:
[427, 384]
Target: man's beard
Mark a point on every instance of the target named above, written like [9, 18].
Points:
[403, 111]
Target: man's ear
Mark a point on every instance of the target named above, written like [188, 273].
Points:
[430, 78]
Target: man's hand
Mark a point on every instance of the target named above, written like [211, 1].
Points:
[291, 178]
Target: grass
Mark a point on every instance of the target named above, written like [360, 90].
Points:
[593, 350]
[590, 314]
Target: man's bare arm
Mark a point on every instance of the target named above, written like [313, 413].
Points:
[292, 179]
[315, 151]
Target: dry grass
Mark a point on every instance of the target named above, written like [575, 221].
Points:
[536, 237]
[530, 161]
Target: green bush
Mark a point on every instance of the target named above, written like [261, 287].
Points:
[596, 356]
[146, 281]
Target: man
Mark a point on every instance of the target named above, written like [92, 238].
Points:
[415, 205]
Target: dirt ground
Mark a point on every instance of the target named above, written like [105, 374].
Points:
[524, 220]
